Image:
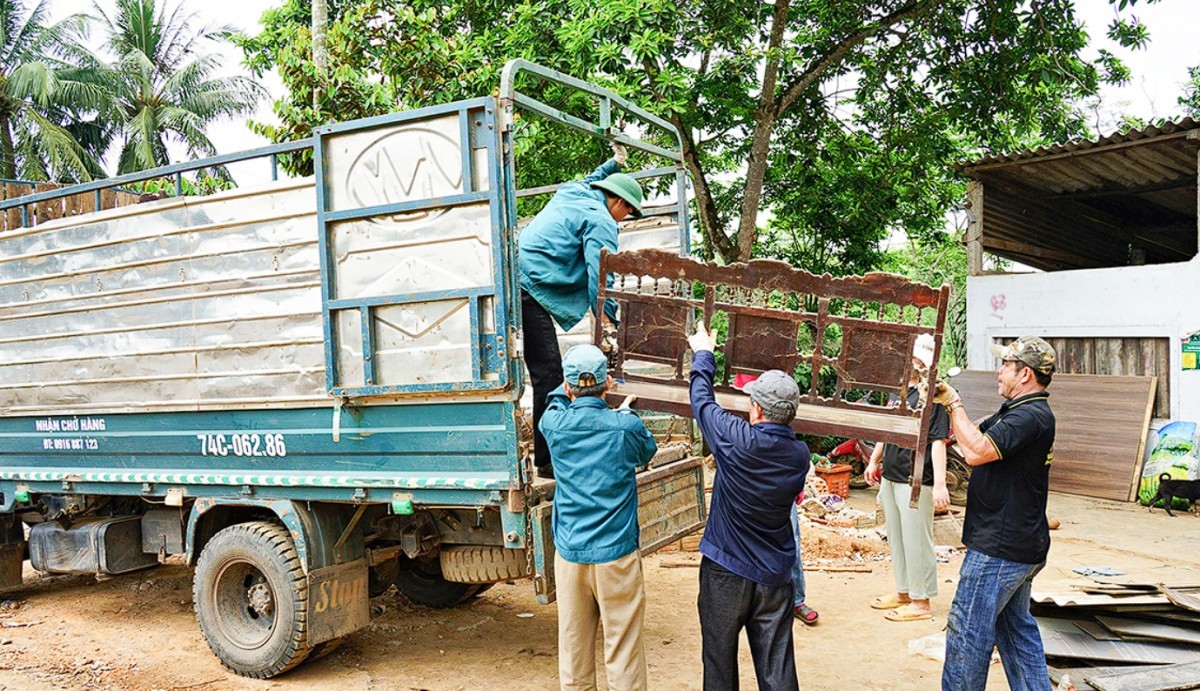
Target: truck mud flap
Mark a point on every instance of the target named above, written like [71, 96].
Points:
[543, 552]
[670, 507]
[337, 601]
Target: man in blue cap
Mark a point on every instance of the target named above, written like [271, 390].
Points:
[749, 545]
[559, 255]
[597, 565]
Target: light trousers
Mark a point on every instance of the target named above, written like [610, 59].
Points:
[910, 539]
[613, 595]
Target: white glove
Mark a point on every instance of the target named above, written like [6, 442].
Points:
[620, 155]
[702, 340]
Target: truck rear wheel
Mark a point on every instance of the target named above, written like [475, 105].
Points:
[251, 599]
[421, 581]
[483, 564]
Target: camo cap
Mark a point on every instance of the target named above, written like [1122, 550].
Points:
[1030, 350]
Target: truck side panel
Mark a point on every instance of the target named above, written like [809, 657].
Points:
[183, 304]
[470, 447]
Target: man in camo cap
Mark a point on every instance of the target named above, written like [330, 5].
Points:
[1005, 529]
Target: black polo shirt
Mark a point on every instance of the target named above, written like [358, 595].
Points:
[1006, 499]
[897, 461]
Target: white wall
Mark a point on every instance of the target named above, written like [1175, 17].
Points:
[1156, 301]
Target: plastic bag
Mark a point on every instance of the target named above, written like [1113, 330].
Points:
[1173, 454]
[932, 646]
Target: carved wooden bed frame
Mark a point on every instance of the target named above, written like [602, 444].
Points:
[769, 309]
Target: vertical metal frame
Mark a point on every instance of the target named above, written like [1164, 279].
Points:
[606, 100]
[502, 222]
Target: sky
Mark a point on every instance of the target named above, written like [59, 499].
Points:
[1158, 72]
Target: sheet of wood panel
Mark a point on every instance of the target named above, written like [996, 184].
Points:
[1100, 423]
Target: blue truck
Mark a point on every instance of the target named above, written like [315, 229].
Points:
[310, 390]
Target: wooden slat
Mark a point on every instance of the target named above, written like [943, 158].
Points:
[1100, 424]
[50, 209]
[674, 399]
[13, 216]
[1162, 678]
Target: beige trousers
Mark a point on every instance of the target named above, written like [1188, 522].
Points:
[612, 594]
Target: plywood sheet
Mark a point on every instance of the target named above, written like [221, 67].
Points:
[1147, 629]
[1101, 423]
[1165, 678]
[1078, 645]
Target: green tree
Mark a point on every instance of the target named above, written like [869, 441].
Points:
[868, 96]
[44, 97]
[1191, 93]
[934, 261]
[162, 83]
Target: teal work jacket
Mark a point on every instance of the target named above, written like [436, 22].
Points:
[559, 251]
[596, 451]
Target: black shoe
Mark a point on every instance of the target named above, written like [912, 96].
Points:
[546, 471]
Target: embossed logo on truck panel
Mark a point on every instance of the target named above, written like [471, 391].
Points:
[410, 164]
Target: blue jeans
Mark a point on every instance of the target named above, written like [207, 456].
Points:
[798, 568]
[991, 610]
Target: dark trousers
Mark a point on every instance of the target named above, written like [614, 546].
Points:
[728, 603]
[545, 366]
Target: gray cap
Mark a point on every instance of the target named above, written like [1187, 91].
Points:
[776, 393]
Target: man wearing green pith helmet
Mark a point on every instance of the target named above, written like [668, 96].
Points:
[559, 253]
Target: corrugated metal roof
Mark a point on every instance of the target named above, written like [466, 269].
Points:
[1149, 132]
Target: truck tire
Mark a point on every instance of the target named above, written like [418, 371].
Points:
[251, 599]
[481, 564]
[420, 581]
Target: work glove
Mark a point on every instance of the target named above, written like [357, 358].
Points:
[945, 394]
[620, 155]
[608, 342]
[702, 340]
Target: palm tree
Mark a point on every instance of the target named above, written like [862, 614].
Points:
[163, 87]
[49, 97]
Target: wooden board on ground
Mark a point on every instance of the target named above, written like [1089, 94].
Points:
[1181, 599]
[1146, 629]
[1101, 423]
[1078, 599]
[1077, 673]
[1165, 678]
[1073, 643]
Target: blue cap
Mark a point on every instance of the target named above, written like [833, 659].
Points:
[586, 361]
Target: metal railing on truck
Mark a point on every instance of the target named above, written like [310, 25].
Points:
[25, 203]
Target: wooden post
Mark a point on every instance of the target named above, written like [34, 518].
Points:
[974, 228]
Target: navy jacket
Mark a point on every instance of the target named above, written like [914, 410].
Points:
[760, 470]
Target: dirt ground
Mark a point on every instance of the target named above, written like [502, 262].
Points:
[139, 632]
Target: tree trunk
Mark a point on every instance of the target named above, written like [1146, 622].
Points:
[8, 159]
[320, 49]
[756, 173]
[765, 116]
[706, 207]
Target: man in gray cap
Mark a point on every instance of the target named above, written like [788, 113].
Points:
[748, 544]
[1005, 530]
